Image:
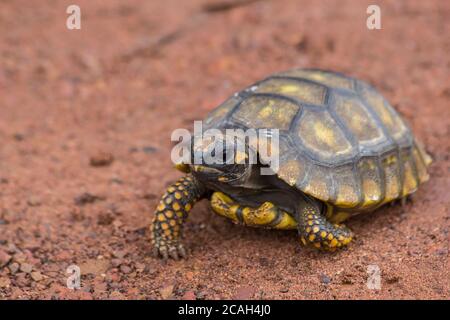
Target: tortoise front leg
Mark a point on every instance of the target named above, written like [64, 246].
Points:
[170, 215]
[314, 229]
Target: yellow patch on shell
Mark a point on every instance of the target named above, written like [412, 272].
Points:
[218, 113]
[371, 191]
[301, 90]
[371, 182]
[346, 197]
[320, 133]
[290, 171]
[347, 187]
[425, 156]
[392, 121]
[324, 134]
[409, 182]
[266, 112]
[358, 120]
[317, 188]
[326, 78]
[420, 165]
[391, 173]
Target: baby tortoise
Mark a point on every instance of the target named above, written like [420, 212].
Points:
[343, 150]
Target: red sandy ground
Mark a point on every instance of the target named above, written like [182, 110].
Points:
[139, 69]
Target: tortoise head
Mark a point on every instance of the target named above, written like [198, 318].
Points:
[218, 160]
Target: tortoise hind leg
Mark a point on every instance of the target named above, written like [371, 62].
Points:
[266, 215]
[314, 229]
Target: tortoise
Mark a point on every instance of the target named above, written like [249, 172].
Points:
[342, 150]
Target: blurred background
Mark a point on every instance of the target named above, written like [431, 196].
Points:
[85, 123]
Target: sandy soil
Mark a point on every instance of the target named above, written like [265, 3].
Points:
[85, 124]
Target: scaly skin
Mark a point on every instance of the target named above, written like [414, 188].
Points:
[171, 213]
[315, 230]
[267, 215]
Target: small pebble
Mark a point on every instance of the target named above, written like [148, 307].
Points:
[201, 295]
[34, 201]
[101, 159]
[86, 198]
[4, 282]
[22, 280]
[149, 149]
[116, 262]
[125, 269]
[140, 267]
[116, 295]
[36, 276]
[325, 279]
[26, 267]
[14, 267]
[4, 258]
[166, 292]
[189, 295]
[119, 254]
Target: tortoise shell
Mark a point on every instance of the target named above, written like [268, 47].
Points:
[340, 140]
